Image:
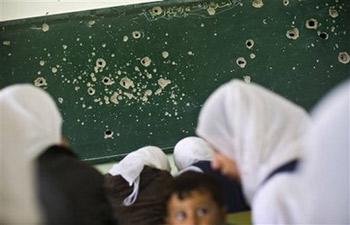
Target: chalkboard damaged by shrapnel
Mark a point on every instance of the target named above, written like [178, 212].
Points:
[137, 75]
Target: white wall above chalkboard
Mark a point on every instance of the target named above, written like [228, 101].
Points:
[19, 9]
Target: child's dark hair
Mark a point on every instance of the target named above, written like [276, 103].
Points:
[190, 181]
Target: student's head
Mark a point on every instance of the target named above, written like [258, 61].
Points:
[195, 200]
[254, 127]
[190, 150]
[30, 120]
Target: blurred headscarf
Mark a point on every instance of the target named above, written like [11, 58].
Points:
[255, 127]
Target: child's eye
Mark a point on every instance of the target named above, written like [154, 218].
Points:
[202, 211]
[180, 215]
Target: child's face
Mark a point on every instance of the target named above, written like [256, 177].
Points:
[198, 208]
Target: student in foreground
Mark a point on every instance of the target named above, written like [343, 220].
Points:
[257, 136]
[70, 192]
[195, 154]
[195, 200]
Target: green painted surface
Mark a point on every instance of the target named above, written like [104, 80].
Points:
[241, 218]
[192, 46]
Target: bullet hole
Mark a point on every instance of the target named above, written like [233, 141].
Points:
[241, 62]
[285, 2]
[125, 82]
[136, 34]
[40, 82]
[293, 33]
[249, 43]
[107, 81]
[108, 133]
[101, 63]
[156, 11]
[146, 61]
[343, 57]
[323, 35]
[311, 24]
[91, 91]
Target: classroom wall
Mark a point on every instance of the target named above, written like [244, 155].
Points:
[17, 9]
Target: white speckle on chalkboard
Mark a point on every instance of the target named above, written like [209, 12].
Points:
[125, 38]
[165, 54]
[333, 12]
[45, 27]
[126, 83]
[247, 79]
[54, 70]
[241, 62]
[60, 100]
[90, 37]
[311, 24]
[293, 33]
[146, 61]
[64, 46]
[344, 57]
[42, 62]
[129, 95]
[40, 82]
[202, 25]
[112, 55]
[252, 55]
[190, 53]
[104, 45]
[249, 43]
[64, 59]
[114, 98]
[257, 3]
[6, 43]
[285, 2]
[163, 82]
[211, 11]
[293, 68]
[91, 23]
[136, 34]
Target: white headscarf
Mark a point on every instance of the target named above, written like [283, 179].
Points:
[326, 171]
[132, 165]
[30, 122]
[191, 150]
[319, 192]
[257, 128]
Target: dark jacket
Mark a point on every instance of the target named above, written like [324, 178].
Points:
[71, 191]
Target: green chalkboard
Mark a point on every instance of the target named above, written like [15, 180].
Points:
[131, 76]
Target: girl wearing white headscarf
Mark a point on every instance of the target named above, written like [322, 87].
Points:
[257, 129]
[325, 175]
[191, 150]
[138, 187]
[27, 128]
[319, 192]
[70, 192]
